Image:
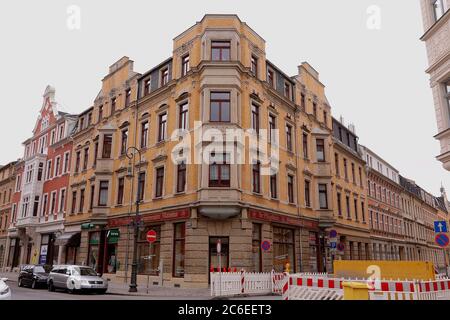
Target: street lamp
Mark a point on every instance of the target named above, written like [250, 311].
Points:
[131, 154]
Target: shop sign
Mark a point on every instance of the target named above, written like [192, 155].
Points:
[86, 226]
[270, 217]
[44, 250]
[164, 216]
[113, 236]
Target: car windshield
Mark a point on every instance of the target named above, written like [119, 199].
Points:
[39, 269]
[84, 271]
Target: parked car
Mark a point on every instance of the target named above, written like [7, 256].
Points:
[76, 278]
[5, 291]
[33, 276]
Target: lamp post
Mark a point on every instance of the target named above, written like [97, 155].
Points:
[131, 154]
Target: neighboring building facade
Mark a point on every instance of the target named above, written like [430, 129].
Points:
[39, 200]
[436, 21]
[349, 194]
[7, 181]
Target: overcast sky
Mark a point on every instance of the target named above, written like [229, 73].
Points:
[374, 78]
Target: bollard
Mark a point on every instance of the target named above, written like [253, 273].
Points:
[355, 291]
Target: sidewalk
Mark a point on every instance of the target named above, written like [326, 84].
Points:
[154, 291]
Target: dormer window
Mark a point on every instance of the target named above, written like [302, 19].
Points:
[287, 90]
[254, 66]
[164, 76]
[127, 97]
[147, 83]
[113, 105]
[271, 78]
[438, 9]
[220, 50]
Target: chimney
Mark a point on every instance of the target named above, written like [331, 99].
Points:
[351, 127]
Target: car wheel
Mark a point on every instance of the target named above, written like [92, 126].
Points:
[20, 284]
[33, 284]
[51, 287]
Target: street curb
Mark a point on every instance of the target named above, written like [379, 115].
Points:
[143, 295]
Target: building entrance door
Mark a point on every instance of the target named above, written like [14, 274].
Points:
[224, 255]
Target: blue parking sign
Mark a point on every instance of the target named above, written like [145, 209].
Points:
[333, 245]
[440, 226]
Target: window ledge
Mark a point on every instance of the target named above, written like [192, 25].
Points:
[180, 193]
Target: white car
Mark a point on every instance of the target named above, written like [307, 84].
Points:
[5, 291]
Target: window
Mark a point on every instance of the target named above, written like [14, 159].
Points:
[271, 78]
[254, 66]
[353, 173]
[290, 189]
[181, 177]
[183, 116]
[363, 211]
[273, 186]
[283, 249]
[91, 204]
[255, 118]
[336, 164]
[320, 145]
[220, 50]
[178, 249]
[113, 105]
[57, 166]
[120, 190]
[66, 162]
[149, 266]
[220, 107]
[360, 176]
[307, 194]
[447, 93]
[185, 67]
[107, 146]
[438, 9]
[77, 161]
[305, 145]
[81, 207]
[164, 76]
[159, 182]
[144, 134]
[162, 126]
[323, 196]
[339, 204]
[287, 90]
[89, 118]
[256, 247]
[44, 205]
[345, 169]
[127, 97]
[103, 194]
[81, 124]
[85, 158]
[123, 146]
[147, 86]
[272, 128]
[315, 109]
[257, 177]
[40, 171]
[62, 200]
[289, 137]
[355, 202]
[303, 100]
[347, 202]
[49, 170]
[325, 117]
[141, 186]
[74, 201]
[219, 170]
[95, 153]
[35, 206]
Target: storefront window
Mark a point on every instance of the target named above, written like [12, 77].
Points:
[178, 250]
[256, 248]
[71, 255]
[149, 254]
[111, 263]
[283, 249]
[94, 247]
[313, 251]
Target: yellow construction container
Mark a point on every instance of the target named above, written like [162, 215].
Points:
[384, 270]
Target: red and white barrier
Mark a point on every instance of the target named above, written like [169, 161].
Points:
[312, 288]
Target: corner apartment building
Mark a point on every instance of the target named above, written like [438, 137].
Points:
[436, 22]
[7, 180]
[217, 78]
[42, 177]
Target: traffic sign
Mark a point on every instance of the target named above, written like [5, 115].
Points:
[442, 240]
[151, 236]
[265, 245]
[333, 234]
[341, 246]
[333, 240]
[333, 245]
[440, 226]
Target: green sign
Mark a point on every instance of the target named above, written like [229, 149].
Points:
[113, 236]
[85, 226]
